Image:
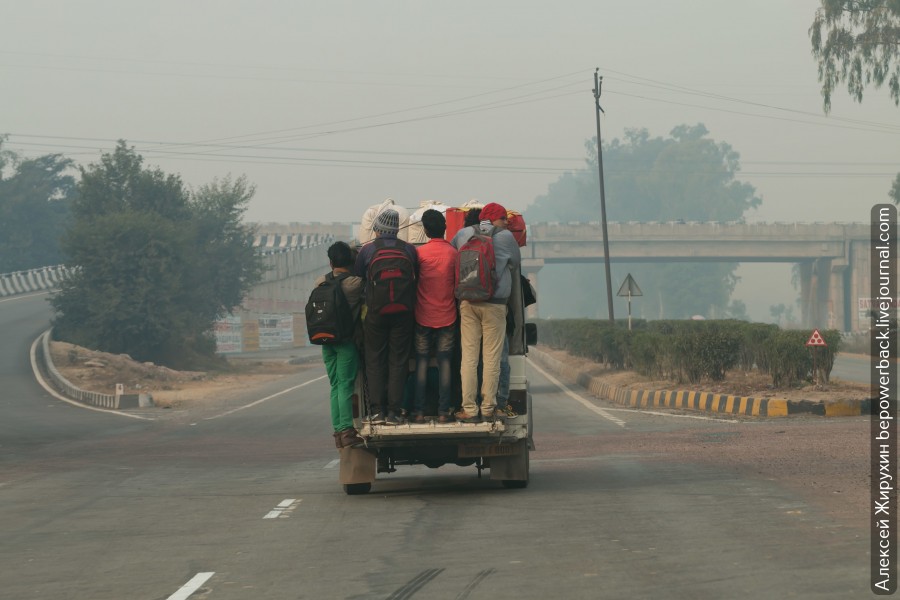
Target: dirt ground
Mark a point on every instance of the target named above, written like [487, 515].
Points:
[101, 371]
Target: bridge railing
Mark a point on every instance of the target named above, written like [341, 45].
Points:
[34, 280]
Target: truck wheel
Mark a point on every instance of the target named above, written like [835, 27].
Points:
[356, 489]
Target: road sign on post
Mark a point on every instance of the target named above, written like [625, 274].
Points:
[629, 288]
[815, 342]
[816, 339]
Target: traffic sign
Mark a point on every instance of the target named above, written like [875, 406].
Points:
[629, 287]
[816, 339]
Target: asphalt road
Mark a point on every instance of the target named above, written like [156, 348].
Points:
[852, 367]
[245, 504]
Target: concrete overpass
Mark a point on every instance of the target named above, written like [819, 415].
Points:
[833, 258]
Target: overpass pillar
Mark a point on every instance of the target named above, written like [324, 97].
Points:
[860, 285]
[837, 296]
[806, 285]
[815, 284]
[530, 268]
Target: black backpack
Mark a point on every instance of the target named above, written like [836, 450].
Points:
[329, 319]
[390, 280]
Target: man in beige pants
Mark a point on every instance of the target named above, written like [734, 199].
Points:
[483, 324]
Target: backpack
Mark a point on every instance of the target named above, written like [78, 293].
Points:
[390, 280]
[329, 319]
[476, 264]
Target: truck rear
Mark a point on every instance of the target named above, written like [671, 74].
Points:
[501, 447]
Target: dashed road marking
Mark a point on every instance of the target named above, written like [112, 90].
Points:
[191, 586]
[332, 464]
[284, 508]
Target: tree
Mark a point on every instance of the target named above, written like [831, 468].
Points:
[154, 264]
[857, 42]
[686, 176]
[35, 195]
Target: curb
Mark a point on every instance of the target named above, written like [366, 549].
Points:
[701, 401]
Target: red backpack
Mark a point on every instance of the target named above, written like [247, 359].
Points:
[390, 280]
[475, 268]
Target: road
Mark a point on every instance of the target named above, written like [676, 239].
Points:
[246, 505]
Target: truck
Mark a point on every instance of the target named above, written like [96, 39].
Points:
[502, 447]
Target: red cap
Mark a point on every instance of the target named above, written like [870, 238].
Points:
[492, 212]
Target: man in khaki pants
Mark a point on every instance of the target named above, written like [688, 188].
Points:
[483, 324]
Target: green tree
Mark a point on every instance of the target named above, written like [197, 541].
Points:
[857, 42]
[35, 195]
[686, 176]
[155, 265]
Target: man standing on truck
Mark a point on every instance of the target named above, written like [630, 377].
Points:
[483, 324]
[342, 358]
[435, 313]
[389, 267]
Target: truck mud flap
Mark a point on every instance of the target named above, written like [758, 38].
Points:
[357, 466]
[512, 467]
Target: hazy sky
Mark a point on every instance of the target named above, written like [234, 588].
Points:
[329, 107]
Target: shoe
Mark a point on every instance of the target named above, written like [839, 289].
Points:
[492, 416]
[393, 420]
[376, 419]
[507, 410]
[420, 418]
[445, 419]
[351, 437]
[464, 417]
[337, 440]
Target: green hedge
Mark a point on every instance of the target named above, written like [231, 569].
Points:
[694, 350]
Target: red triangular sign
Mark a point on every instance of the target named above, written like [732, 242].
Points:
[816, 339]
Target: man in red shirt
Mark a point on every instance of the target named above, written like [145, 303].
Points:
[435, 313]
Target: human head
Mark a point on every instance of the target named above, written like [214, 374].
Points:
[340, 255]
[434, 223]
[387, 222]
[473, 217]
[493, 212]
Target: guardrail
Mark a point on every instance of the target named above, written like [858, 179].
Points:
[35, 280]
[109, 401]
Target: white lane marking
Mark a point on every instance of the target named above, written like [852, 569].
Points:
[191, 586]
[284, 508]
[628, 410]
[673, 415]
[332, 464]
[261, 400]
[43, 383]
[24, 296]
[589, 405]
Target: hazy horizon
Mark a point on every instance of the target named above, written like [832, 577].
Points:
[331, 107]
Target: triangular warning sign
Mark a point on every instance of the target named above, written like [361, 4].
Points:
[629, 287]
[816, 339]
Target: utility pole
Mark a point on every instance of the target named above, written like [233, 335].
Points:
[598, 81]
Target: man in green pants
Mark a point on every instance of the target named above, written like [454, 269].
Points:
[342, 358]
